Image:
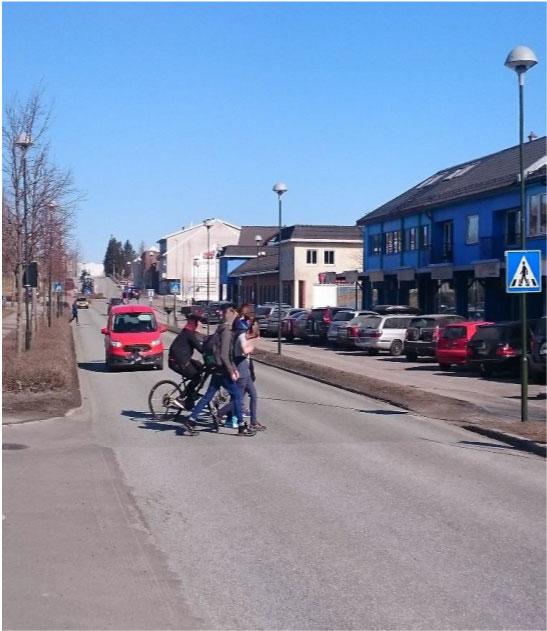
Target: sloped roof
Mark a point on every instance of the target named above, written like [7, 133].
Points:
[243, 250]
[248, 234]
[261, 265]
[323, 233]
[480, 175]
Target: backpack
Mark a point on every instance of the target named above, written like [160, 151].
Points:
[212, 347]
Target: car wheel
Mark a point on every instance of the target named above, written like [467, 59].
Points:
[411, 357]
[109, 365]
[373, 351]
[486, 371]
[396, 348]
[289, 337]
[444, 366]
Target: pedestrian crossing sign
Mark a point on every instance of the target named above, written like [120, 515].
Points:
[523, 271]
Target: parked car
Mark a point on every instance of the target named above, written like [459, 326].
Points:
[319, 321]
[452, 345]
[82, 302]
[395, 310]
[538, 349]
[294, 326]
[273, 320]
[348, 333]
[264, 312]
[496, 347]
[423, 334]
[114, 302]
[212, 313]
[132, 337]
[383, 332]
[340, 320]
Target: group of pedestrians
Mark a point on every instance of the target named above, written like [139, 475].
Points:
[227, 357]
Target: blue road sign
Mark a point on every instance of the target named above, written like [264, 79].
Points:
[175, 287]
[57, 287]
[523, 271]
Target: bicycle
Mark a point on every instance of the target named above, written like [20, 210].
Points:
[166, 396]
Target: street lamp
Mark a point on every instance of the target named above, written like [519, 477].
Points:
[194, 280]
[521, 59]
[52, 206]
[258, 241]
[279, 188]
[208, 223]
[23, 142]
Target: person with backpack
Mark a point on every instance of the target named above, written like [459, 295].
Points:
[181, 351]
[74, 312]
[218, 355]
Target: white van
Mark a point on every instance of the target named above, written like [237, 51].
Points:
[383, 333]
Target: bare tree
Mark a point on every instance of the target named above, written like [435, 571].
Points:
[31, 231]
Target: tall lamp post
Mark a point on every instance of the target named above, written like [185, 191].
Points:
[52, 206]
[258, 241]
[24, 141]
[208, 223]
[194, 280]
[521, 59]
[279, 188]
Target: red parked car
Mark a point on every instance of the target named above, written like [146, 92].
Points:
[452, 344]
[132, 337]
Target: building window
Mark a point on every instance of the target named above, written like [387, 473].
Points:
[393, 242]
[328, 257]
[388, 243]
[472, 229]
[424, 237]
[537, 215]
[411, 239]
[375, 244]
[311, 257]
[512, 227]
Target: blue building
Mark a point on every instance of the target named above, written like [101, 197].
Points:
[441, 244]
[232, 256]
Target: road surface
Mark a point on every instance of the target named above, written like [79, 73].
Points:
[345, 514]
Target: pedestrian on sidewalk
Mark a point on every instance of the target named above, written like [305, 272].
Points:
[225, 375]
[74, 312]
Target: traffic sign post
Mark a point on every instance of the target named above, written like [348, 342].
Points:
[523, 276]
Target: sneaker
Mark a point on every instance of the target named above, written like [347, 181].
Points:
[235, 423]
[190, 428]
[258, 427]
[243, 430]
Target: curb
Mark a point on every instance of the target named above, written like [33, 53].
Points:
[519, 442]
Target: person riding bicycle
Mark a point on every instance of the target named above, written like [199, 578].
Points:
[181, 351]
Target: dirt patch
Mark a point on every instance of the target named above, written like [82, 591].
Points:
[410, 398]
[42, 382]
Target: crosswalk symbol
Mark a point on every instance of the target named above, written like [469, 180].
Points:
[523, 277]
[523, 271]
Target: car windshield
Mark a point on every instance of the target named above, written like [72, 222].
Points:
[488, 333]
[343, 316]
[371, 322]
[454, 332]
[262, 311]
[134, 323]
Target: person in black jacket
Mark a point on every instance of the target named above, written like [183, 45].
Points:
[181, 352]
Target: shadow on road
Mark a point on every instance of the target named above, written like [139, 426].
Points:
[148, 422]
[99, 366]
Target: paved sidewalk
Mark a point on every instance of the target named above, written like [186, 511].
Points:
[8, 323]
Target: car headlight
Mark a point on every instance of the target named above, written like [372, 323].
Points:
[115, 344]
[155, 342]
[543, 349]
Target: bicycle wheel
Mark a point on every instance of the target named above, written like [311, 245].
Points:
[161, 400]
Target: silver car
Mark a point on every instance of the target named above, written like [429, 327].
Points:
[347, 334]
[340, 320]
[383, 333]
[273, 320]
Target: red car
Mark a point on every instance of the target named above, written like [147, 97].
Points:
[452, 345]
[132, 337]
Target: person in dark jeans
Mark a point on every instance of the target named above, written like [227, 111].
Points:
[74, 312]
[181, 351]
[225, 376]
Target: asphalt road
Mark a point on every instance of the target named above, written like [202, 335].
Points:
[344, 514]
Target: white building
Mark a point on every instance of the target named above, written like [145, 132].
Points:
[94, 269]
[189, 256]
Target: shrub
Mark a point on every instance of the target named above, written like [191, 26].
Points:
[48, 365]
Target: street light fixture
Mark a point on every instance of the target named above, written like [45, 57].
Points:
[521, 59]
[279, 188]
[208, 224]
[23, 142]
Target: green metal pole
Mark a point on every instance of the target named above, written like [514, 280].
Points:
[524, 355]
[280, 287]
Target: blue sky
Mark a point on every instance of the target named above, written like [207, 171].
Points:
[170, 113]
